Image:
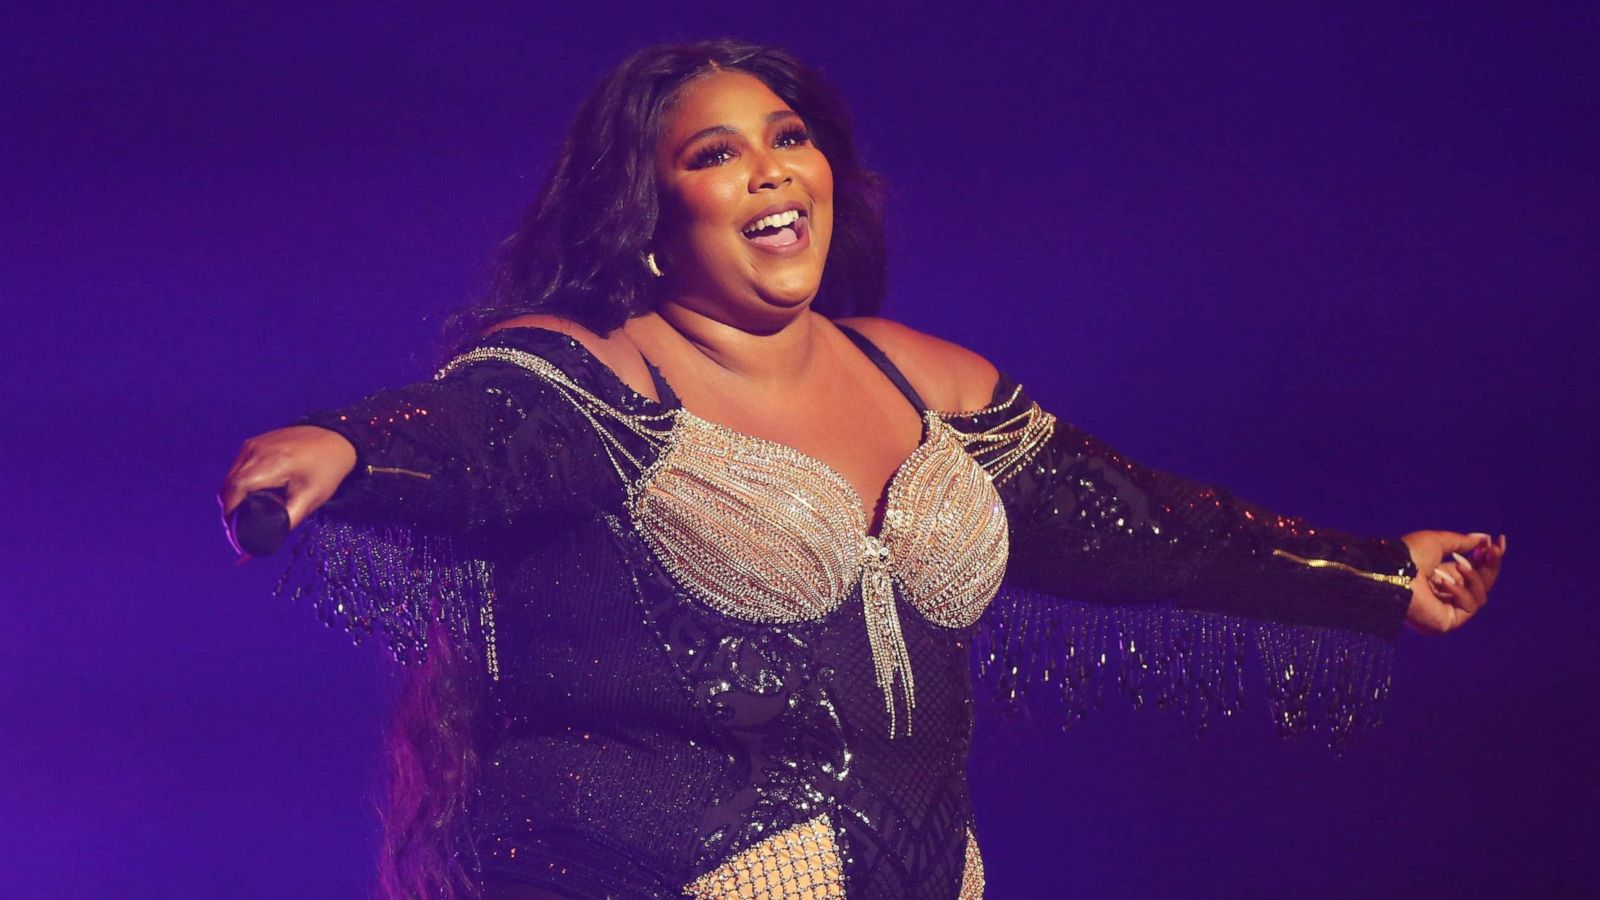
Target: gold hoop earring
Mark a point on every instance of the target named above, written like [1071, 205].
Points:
[650, 263]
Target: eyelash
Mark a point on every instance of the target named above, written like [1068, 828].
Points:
[708, 155]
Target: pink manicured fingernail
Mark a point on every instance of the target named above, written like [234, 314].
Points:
[1445, 577]
[1461, 561]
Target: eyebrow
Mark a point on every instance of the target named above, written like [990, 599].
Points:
[774, 116]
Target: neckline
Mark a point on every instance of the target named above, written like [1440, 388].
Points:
[670, 402]
[864, 523]
[867, 526]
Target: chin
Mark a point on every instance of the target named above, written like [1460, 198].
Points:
[788, 298]
[794, 290]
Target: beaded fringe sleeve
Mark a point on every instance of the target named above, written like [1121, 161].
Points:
[443, 467]
[1163, 585]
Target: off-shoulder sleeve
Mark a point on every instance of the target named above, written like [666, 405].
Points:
[446, 470]
[1165, 582]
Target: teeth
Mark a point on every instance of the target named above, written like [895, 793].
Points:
[776, 220]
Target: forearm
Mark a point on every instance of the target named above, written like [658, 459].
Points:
[1091, 524]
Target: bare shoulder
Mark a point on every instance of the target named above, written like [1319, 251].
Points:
[947, 375]
[616, 351]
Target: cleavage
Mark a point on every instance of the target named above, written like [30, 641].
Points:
[871, 522]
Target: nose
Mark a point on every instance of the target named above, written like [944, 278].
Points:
[768, 172]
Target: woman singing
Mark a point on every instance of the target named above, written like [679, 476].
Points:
[692, 554]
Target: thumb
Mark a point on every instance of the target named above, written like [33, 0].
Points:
[299, 504]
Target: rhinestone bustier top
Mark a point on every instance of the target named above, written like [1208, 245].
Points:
[694, 670]
[762, 532]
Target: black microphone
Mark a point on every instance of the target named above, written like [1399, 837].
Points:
[259, 523]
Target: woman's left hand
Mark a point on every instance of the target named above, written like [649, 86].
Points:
[1454, 574]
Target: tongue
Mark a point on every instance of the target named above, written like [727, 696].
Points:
[782, 237]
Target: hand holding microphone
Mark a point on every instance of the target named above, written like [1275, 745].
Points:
[276, 481]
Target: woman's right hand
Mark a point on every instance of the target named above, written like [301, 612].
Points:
[303, 464]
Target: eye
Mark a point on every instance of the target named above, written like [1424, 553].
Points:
[793, 136]
[711, 155]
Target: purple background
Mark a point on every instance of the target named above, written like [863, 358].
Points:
[1341, 262]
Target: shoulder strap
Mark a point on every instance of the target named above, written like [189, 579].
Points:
[882, 361]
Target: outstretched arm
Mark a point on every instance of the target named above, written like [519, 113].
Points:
[1169, 583]
[468, 451]
[1091, 524]
[406, 490]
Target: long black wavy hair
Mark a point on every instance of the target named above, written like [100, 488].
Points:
[578, 253]
[579, 249]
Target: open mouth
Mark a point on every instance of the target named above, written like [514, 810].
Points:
[779, 229]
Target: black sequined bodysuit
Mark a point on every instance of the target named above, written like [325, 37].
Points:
[703, 678]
